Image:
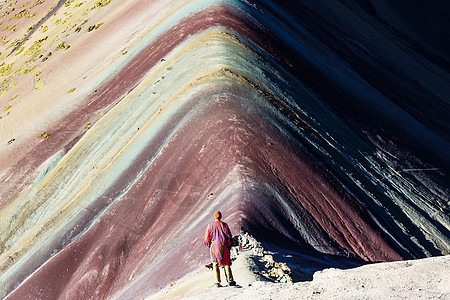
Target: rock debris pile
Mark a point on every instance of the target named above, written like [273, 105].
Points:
[275, 271]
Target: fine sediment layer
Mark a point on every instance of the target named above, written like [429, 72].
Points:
[307, 127]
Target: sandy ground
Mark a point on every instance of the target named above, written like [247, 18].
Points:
[244, 270]
[418, 279]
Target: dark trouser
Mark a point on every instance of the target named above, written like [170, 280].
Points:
[227, 269]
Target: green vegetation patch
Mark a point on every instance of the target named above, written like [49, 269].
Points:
[39, 86]
[62, 46]
[100, 4]
[43, 136]
[94, 27]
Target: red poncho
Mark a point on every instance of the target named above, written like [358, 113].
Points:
[218, 239]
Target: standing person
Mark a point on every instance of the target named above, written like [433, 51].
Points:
[240, 242]
[218, 239]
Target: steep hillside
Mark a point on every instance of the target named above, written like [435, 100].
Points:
[317, 126]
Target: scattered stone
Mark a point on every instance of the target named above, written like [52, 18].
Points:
[276, 271]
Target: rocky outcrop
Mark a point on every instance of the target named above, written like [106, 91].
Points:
[275, 271]
[318, 124]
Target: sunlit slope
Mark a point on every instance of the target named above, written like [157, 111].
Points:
[117, 149]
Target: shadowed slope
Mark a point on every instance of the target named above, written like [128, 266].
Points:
[231, 108]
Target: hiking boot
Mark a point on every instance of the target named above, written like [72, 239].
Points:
[232, 283]
[217, 284]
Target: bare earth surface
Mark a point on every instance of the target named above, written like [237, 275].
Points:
[414, 279]
[317, 126]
